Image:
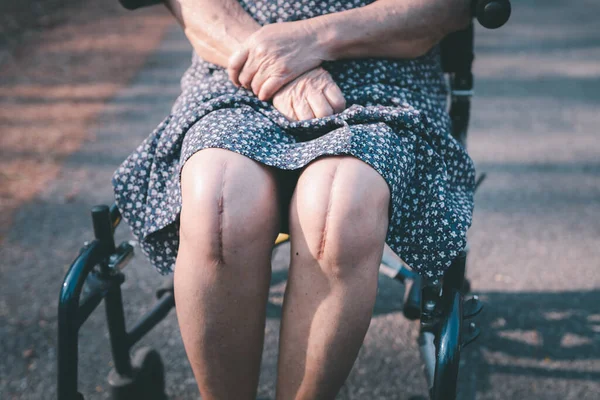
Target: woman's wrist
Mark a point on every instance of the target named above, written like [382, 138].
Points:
[349, 34]
[326, 37]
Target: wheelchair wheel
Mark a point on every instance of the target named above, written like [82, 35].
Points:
[149, 374]
[448, 345]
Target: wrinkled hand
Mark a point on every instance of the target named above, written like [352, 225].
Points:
[275, 55]
[313, 94]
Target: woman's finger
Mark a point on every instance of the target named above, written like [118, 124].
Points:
[259, 80]
[290, 114]
[247, 74]
[236, 63]
[335, 97]
[284, 105]
[270, 87]
[303, 110]
[320, 105]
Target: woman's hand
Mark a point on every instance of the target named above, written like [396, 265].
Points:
[313, 94]
[275, 55]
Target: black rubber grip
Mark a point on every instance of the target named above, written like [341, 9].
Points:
[134, 4]
[492, 14]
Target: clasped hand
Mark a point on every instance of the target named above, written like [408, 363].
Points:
[282, 61]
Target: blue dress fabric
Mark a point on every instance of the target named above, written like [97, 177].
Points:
[396, 121]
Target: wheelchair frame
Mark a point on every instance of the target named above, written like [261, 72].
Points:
[440, 305]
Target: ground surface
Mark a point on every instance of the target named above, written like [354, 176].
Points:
[535, 240]
[60, 62]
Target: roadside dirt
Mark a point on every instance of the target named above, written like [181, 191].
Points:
[55, 81]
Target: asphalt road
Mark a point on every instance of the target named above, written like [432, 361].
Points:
[535, 241]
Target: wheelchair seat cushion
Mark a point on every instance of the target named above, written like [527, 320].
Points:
[396, 121]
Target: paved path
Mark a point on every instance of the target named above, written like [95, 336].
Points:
[535, 241]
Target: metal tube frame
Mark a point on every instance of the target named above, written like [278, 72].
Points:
[103, 283]
[441, 306]
[441, 326]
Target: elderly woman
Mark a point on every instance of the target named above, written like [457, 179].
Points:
[322, 118]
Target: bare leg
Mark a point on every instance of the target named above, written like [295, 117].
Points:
[338, 223]
[229, 222]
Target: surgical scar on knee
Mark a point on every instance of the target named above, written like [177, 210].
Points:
[220, 208]
[324, 235]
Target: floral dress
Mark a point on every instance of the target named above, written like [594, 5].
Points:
[396, 121]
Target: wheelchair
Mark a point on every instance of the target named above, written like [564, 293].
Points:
[96, 273]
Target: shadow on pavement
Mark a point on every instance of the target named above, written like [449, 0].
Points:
[552, 335]
[537, 334]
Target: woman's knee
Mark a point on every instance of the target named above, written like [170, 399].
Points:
[228, 202]
[340, 207]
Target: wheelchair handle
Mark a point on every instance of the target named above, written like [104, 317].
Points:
[492, 14]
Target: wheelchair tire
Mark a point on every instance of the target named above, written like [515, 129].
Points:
[448, 345]
[149, 374]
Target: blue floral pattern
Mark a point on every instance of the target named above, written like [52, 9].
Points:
[396, 121]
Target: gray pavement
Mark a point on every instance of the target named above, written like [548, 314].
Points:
[535, 241]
